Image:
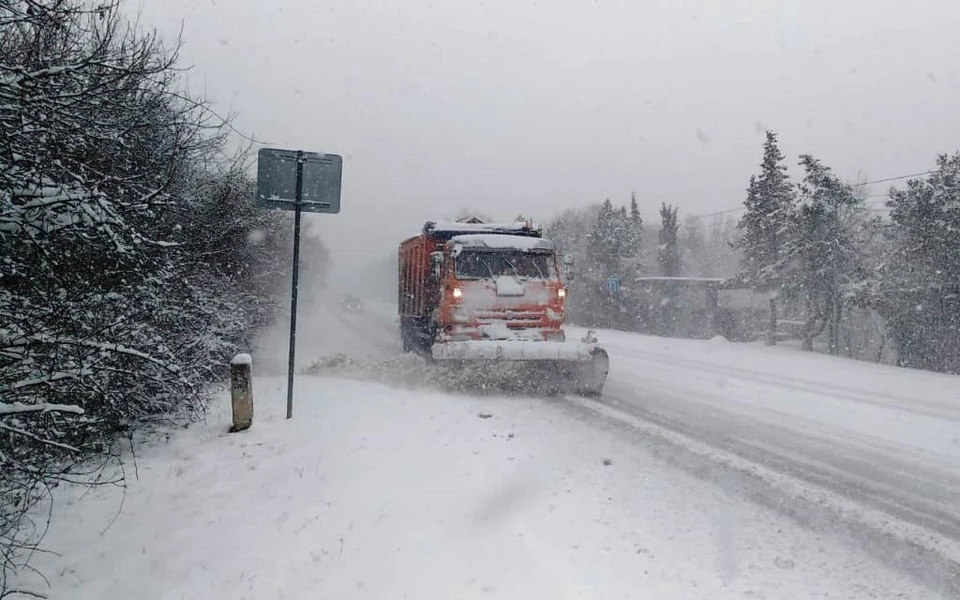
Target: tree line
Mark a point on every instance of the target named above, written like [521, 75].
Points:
[133, 259]
[816, 242]
[813, 244]
[611, 245]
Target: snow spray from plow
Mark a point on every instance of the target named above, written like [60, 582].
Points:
[472, 377]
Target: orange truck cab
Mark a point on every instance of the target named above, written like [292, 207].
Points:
[479, 281]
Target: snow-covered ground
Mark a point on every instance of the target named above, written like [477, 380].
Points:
[707, 470]
[371, 492]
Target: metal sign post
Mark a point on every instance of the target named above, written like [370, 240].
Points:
[295, 285]
[298, 181]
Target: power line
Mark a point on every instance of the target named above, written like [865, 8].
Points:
[877, 204]
[864, 183]
[899, 177]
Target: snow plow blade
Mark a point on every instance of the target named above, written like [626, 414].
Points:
[580, 366]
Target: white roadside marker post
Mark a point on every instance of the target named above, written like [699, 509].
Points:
[241, 392]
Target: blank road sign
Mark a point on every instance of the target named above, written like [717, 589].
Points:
[277, 180]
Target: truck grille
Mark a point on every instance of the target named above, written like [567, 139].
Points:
[509, 315]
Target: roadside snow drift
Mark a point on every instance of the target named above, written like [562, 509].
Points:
[371, 492]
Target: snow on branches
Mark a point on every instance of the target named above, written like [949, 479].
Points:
[127, 277]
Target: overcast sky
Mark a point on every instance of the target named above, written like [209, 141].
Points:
[511, 106]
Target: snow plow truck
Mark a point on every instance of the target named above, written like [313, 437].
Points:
[489, 295]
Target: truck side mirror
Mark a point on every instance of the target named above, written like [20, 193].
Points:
[436, 262]
[568, 267]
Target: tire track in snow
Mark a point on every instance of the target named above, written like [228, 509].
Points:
[915, 551]
[885, 400]
[909, 485]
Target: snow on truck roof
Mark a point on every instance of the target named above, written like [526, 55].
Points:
[465, 227]
[449, 229]
[500, 241]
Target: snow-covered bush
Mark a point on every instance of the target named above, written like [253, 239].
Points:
[133, 259]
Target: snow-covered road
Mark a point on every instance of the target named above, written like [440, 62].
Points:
[706, 470]
[374, 492]
[323, 329]
[883, 443]
[885, 437]
[833, 442]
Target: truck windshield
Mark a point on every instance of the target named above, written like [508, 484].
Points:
[489, 265]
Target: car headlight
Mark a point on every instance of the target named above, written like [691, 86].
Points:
[561, 293]
[457, 293]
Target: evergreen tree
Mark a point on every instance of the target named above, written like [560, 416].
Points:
[769, 206]
[635, 236]
[603, 250]
[820, 254]
[623, 240]
[919, 294]
[669, 250]
[611, 253]
[636, 222]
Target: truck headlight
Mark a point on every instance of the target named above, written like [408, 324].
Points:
[561, 293]
[457, 293]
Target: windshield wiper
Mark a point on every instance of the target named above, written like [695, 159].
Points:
[516, 271]
[537, 267]
[489, 270]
